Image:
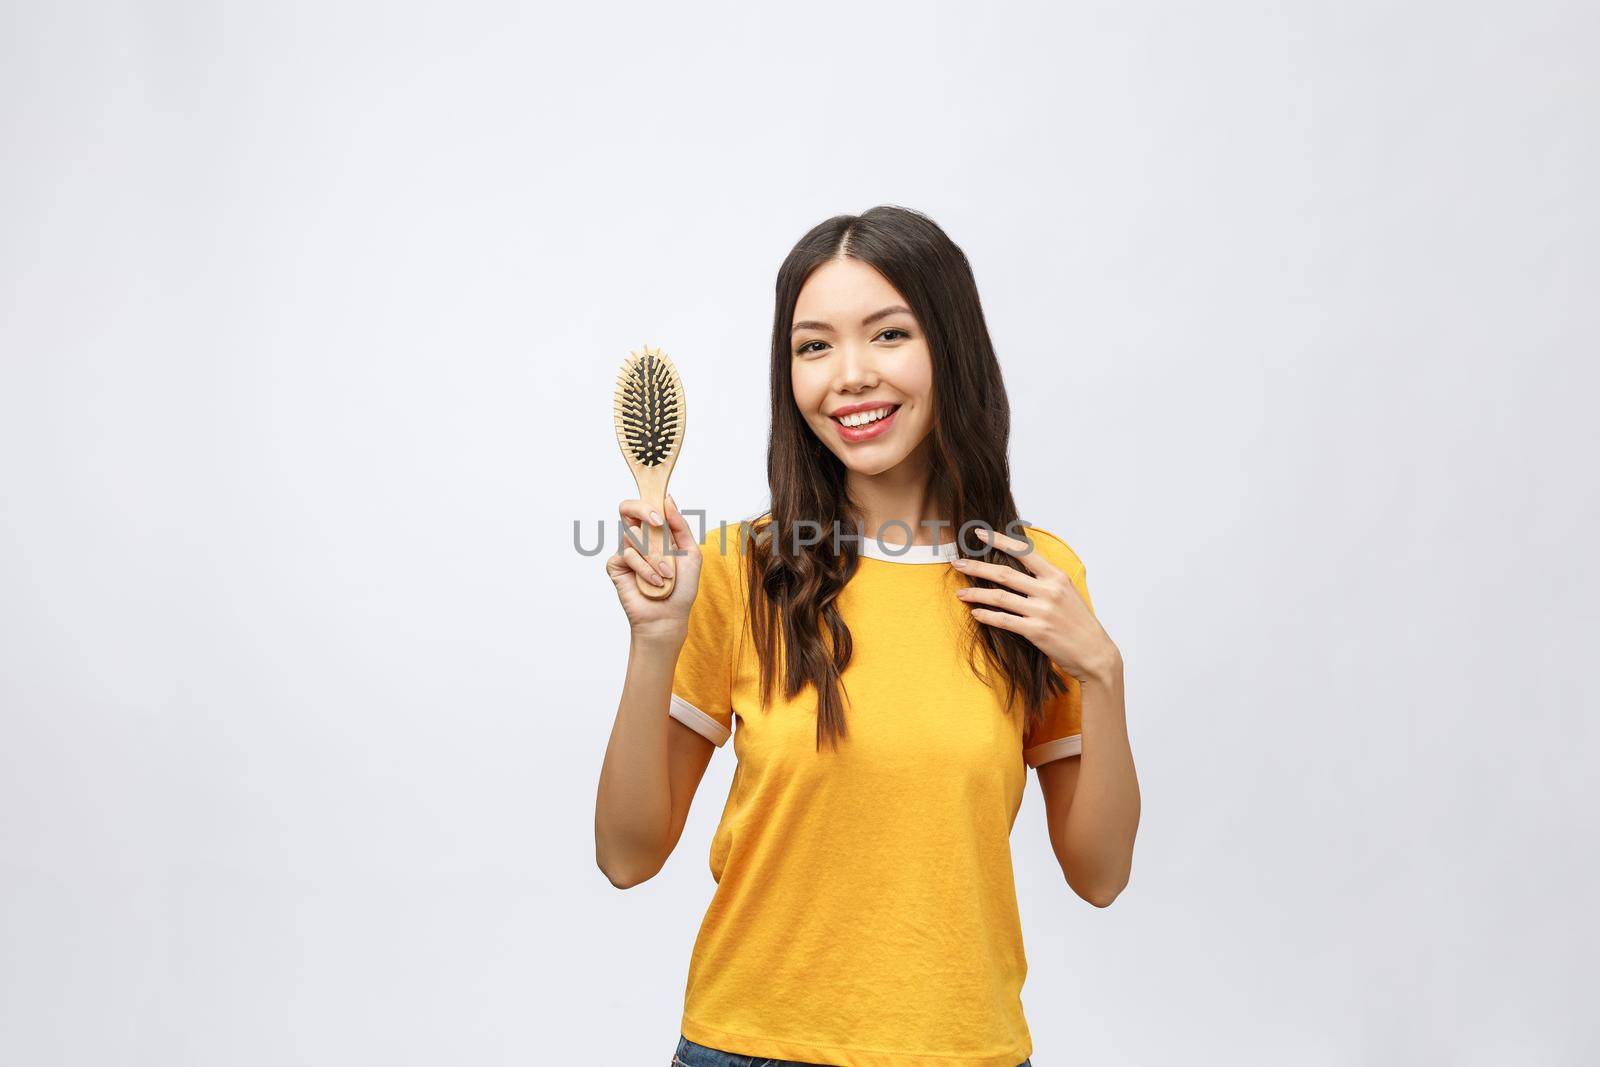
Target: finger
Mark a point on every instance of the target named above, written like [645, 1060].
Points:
[618, 567]
[639, 511]
[682, 536]
[640, 565]
[633, 521]
[636, 514]
[999, 598]
[996, 572]
[1027, 553]
[1002, 620]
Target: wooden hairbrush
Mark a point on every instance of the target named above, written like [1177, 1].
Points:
[650, 414]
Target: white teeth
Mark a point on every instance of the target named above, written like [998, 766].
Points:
[861, 418]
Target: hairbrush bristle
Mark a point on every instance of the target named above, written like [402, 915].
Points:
[649, 406]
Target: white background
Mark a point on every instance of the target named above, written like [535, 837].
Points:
[309, 324]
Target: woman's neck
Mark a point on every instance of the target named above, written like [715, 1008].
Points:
[898, 496]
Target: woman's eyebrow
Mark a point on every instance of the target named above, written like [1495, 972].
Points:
[868, 321]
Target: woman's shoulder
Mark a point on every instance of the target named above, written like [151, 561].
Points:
[729, 538]
[1054, 547]
[724, 545]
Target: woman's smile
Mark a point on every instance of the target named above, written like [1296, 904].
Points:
[865, 424]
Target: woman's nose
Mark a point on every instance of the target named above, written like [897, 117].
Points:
[856, 369]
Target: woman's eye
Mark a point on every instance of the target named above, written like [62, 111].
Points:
[806, 349]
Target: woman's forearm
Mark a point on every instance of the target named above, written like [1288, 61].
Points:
[1104, 816]
[633, 809]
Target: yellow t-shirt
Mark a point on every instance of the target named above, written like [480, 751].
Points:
[865, 913]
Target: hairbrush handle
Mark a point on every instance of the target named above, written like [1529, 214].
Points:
[657, 540]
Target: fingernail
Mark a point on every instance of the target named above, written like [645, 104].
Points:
[655, 517]
[983, 534]
[958, 563]
[664, 566]
[656, 578]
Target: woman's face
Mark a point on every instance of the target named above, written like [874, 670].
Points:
[856, 347]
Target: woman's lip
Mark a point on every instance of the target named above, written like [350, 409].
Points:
[867, 405]
[870, 430]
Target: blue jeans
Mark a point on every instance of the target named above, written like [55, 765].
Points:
[690, 1054]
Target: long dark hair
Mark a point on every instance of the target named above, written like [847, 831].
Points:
[795, 587]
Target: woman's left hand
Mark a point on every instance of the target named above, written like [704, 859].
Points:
[1044, 606]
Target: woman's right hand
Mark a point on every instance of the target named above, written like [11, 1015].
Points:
[667, 616]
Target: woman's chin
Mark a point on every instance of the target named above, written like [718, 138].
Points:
[869, 466]
[868, 459]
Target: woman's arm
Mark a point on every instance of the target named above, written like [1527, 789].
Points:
[653, 763]
[1092, 800]
[652, 767]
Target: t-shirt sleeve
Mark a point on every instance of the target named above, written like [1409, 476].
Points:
[702, 684]
[1060, 733]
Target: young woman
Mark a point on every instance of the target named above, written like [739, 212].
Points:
[891, 688]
